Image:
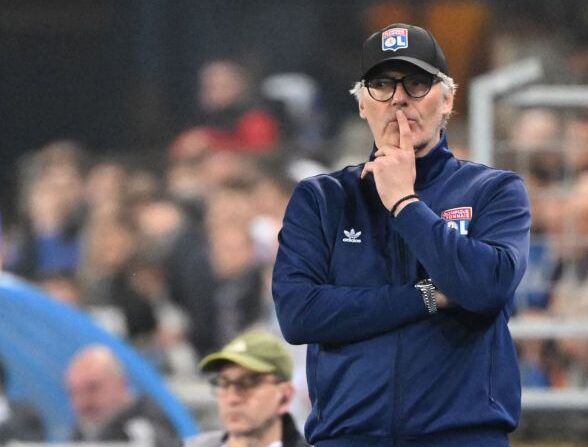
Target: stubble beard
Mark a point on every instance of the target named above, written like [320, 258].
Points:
[253, 437]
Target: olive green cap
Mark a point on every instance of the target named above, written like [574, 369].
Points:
[257, 350]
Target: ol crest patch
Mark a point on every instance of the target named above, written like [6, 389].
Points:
[458, 218]
[394, 39]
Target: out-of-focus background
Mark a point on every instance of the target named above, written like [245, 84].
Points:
[148, 149]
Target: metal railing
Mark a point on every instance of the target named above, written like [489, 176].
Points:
[520, 82]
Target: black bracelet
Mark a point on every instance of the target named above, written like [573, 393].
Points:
[405, 198]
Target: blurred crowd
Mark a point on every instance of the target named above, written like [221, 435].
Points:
[171, 251]
[174, 250]
[549, 147]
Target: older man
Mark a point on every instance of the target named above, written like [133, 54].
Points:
[105, 406]
[399, 273]
[252, 381]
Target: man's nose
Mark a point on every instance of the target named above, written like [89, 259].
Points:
[232, 397]
[400, 95]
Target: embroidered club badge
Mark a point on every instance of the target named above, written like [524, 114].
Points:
[458, 218]
[394, 39]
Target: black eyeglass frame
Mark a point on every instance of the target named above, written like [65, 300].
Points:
[242, 385]
[403, 80]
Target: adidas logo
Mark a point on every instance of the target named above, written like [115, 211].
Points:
[351, 236]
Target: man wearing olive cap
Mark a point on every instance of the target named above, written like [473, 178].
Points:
[252, 382]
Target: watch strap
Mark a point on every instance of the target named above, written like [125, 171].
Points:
[427, 289]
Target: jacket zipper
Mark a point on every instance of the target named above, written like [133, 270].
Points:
[316, 386]
[491, 372]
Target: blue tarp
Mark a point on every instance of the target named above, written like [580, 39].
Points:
[39, 335]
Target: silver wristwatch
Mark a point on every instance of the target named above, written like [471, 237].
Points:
[427, 289]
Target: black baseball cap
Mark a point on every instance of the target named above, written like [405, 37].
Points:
[402, 42]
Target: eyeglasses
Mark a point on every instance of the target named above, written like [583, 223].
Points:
[242, 385]
[415, 85]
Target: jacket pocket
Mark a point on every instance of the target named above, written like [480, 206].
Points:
[504, 384]
[353, 385]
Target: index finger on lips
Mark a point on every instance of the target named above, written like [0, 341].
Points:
[404, 130]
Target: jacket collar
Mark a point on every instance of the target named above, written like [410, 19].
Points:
[432, 164]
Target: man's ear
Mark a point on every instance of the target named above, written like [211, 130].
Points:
[287, 390]
[448, 103]
[361, 106]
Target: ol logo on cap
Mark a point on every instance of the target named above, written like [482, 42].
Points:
[394, 39]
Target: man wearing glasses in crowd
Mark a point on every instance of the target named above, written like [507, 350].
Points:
[400, 273]
[252, 383]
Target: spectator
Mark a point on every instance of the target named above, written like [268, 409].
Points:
[186, 175]
[52, 211]
[270, 194]
[534, 291]
[575, 143]
[211, 270]
[190, 282]
[111, 248]
[252, 383]
[238, 276]
[535, 144]
[105, 406]
[163, 227]
[570, 292]
[230, 114]
[533, 364]
[303, 111]
[105, 189]
[571, 289]
[19, 421]
[538, 358]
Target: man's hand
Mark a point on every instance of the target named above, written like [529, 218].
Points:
[442, 301]
[394, 168]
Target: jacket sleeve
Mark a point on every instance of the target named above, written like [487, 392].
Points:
[479, 271]
[308, 307]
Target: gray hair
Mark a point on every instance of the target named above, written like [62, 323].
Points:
[447, 84]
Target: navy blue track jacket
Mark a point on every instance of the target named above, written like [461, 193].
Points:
[382, 371]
